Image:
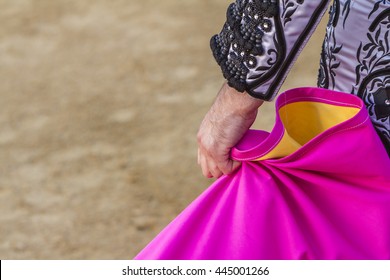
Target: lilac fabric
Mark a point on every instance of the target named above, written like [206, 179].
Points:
[356, 57]
[329, 199]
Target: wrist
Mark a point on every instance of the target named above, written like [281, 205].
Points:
[239, 102]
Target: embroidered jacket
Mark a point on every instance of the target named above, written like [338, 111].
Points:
[261, 40]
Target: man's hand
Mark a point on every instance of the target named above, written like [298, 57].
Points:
[230, 116]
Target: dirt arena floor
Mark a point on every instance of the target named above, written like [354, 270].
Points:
[100, 104]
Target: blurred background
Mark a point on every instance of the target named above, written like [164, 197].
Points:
[100, 102]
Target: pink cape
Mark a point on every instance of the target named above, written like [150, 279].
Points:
[316, 187]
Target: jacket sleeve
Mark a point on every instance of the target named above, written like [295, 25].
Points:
[261, 40]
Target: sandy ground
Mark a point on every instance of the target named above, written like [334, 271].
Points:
[100, 104]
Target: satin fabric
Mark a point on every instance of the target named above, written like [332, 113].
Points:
[326, 196]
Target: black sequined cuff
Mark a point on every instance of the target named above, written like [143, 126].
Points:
[260, 41]
[240, 41]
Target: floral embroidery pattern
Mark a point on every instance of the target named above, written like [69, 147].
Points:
[239, 45]
[346, 11]
[376, 6]
[329, 62]
[289, 8]
[240, 41]
[373, 72]
[371, 65]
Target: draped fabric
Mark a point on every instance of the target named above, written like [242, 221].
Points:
[316, 187]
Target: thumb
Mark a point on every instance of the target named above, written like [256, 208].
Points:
[235, 165]
[230, 167]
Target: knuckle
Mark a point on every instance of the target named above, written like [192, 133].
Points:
[199, 137]
[218, 174]
[225, 170]
[205, 171]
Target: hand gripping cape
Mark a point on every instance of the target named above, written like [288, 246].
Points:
[316, 187]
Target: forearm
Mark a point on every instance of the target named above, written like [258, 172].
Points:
[235, 102]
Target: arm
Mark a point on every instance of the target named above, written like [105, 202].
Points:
[255, 49]
[230, 116]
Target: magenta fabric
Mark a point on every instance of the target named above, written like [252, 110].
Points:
[330, 199]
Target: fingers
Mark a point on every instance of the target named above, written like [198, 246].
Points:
[232, 166]
[214, 152]
[215, 169]
[204, 166]
[209, 167]
[235, 165]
